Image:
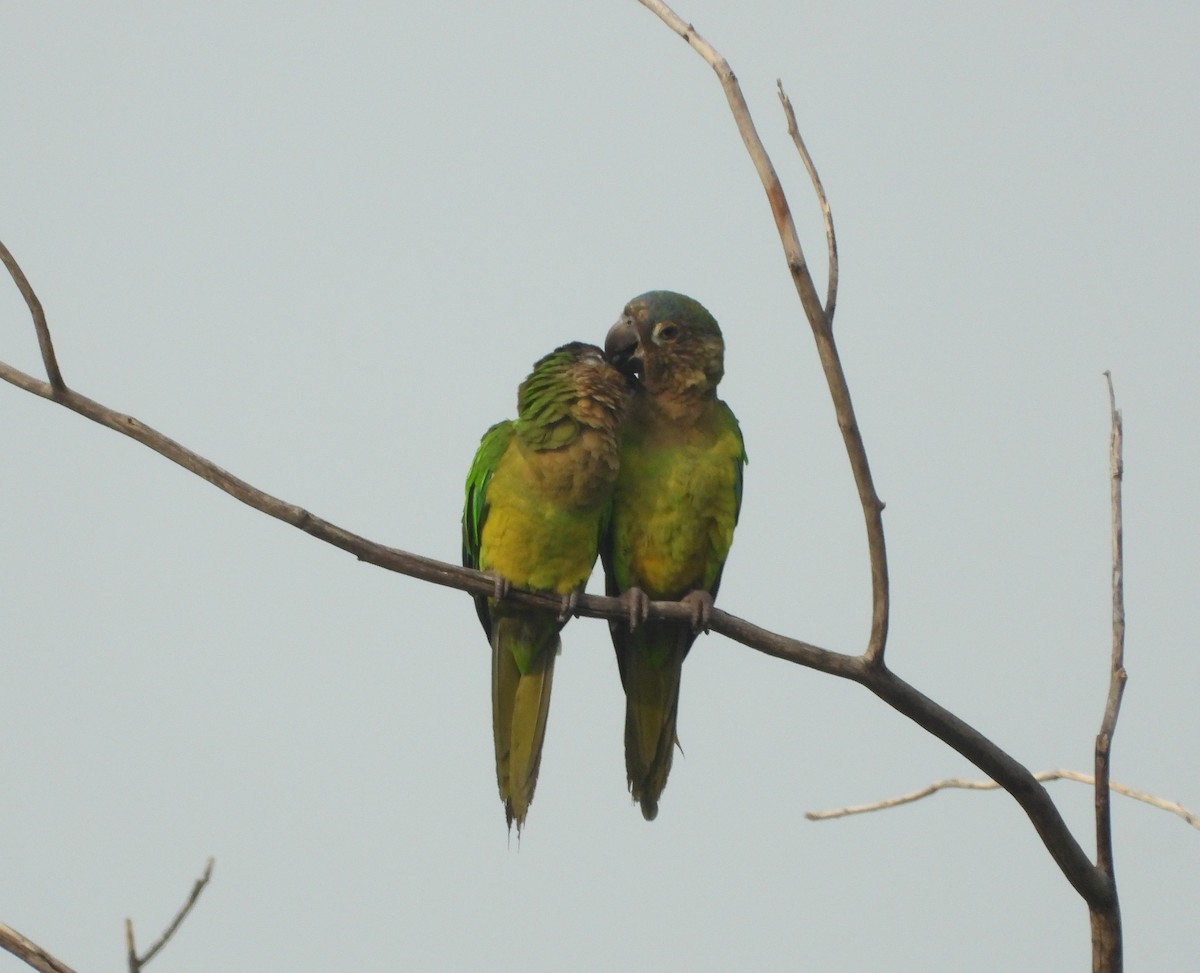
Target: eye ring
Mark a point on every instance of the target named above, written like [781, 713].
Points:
[668, 331]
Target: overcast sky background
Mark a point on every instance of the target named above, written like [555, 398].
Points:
[322, 245]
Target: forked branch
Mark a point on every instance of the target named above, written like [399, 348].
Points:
[137, 962]
[820, 316]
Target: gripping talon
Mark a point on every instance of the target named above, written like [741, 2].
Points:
[700, 603]
[637, 606]
[499, 588]
[570, 604]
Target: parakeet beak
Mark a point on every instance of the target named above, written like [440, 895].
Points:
[622, 346]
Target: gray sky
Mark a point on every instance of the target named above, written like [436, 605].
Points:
[322, 247]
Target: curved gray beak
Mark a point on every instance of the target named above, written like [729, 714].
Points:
[622, 345]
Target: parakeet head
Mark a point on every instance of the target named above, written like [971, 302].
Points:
[670, 342]
[573, 384]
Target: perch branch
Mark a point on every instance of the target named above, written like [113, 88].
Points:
[1045, 776]
[136, 963]
[30, 953]
[818, 319]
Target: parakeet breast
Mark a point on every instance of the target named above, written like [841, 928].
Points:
[547, 505]
[675, 505]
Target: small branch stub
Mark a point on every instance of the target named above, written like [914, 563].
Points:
[135, 962]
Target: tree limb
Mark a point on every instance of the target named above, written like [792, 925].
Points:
[30, 953]
[818, 319]
[831, 287]
[1044, 776]
[1106, 920]
[49, 360]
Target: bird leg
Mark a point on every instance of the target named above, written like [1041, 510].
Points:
[637, 606]
[499, 586]
[700, 603]
[570, 605]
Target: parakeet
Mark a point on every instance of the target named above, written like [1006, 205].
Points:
[537, 502]
[675, 505]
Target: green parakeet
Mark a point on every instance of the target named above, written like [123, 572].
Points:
[677, 498]
[537, 503]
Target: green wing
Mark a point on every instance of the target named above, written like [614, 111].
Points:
[739, 466]
[495, 441]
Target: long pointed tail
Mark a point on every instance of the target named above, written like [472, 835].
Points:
[520, 706]
[651, 706]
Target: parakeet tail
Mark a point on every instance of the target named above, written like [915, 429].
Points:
[651, 705]
[520, 706]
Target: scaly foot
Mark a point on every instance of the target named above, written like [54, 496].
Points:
[499, 587]
[700, 603]
[636, 605]
[570, 603]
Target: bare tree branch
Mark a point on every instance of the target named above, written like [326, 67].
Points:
[1045, 776]
[1116, 686]
[136, 963]
[831, 287]
[30, 953]
[49, 361]
[819, 321]
[1106, 921]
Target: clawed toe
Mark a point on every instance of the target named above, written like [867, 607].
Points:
[499, 588]
[700, 604]
[636, 605]
[570, 604]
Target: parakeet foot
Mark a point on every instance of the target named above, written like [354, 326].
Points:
[700, 603]
[499, 587]
[570, 603]
[636, 605]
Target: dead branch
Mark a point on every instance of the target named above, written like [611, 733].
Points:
[818, 319]
[30, 953]
[135, 962]
[1106, 921]
[49, 361]
[1044, 776]
[831, 286]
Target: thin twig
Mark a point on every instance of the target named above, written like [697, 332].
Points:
[1117, 676]
[30, 952]
[136, 964]
[818, 320]
[1106, 918]
[49, 361]
[831, 287]
[1190, 817]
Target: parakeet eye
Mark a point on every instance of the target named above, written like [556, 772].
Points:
[668, 332]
